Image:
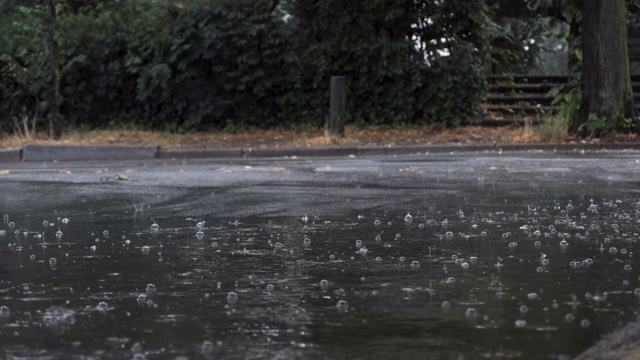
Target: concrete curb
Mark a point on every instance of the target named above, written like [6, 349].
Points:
[331, 151]
[36, 152]
[232, 153]
[621, 146]
[421, 149]
[10, 155]
[548, 147]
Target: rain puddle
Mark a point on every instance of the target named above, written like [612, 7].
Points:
[541, 280]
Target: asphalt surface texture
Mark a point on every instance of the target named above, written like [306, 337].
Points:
[292, 185]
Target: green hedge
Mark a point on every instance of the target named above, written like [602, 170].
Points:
[224, 64]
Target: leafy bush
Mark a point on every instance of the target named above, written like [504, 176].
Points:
[237, 64]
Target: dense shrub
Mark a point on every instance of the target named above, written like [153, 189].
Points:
[247, 63]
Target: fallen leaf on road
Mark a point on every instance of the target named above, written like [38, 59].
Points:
[121, 177]
[4, 172]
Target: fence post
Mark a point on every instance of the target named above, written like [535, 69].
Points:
[337, 106]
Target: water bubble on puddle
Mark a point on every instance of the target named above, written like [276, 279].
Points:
[358, 243]
[324, 284]
[342, 306]
[448, 235]
[306, 241]
[93, 248]
[141, 299]
[12, 225]
[214, 244]
[569, 317]
[376, 222]
[464, 265]
[199, 235]
[408, 218]
[539, 269]
[537, 244]
[332, 257]
[402, 259]
[564, 243]
[379, 259]
[446, 304]
[232, 298]
[421, 226]
[378, 237]
[102, 307]
[4, 311]
[520, 323]
[532, 296]
[415, 264]
[58, 318]
[584, 323]
[613, 250]
[32, 257]
[206, 348]
[59, 234]
[45, 223]
[270, 288]
[524, 309]
[471, 313]
[450, 280]
[627, 267]
[155, 226]
[304, 219]
[151, 289]
[513, 245]
[483, 233]
[544, 262]
[136, 348]
[145, 250]
[65, 221]
[53, 262]
[278, 246]
[398, 236]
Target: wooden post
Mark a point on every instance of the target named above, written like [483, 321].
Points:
[337, 106]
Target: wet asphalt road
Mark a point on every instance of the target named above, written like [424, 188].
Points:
[385, 185]
[313, 186]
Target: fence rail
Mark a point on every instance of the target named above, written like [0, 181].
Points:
[513, 99]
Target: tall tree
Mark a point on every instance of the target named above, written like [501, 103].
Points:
[54, 97]
[607, 95]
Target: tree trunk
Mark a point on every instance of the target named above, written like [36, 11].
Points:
[54, 74]
[606, 83]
